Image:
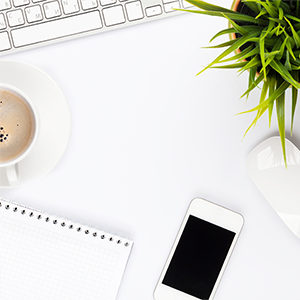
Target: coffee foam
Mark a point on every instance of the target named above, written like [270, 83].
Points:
[17, 125]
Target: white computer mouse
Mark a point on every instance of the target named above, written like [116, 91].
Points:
[279, 185]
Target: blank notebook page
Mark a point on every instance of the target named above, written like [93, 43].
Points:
[45, 257]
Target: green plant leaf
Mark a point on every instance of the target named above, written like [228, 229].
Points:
[294, 103]
[258, 115]
[285, 7]
[261, 13]
[263, 95]
[270, 57]
[269, 8]
[231, 49]
[222, 32]
[231, 30]
[294, 99]
[252, 76]
[280, 11]
[255, 84]
[277, 20]
[252, 53]
[243, 55]
[295, 35]
[271, 54]
[253, 40]
[277, 3]
[287, 64]
[279, 68]
[233, 16]
[282, 48]
[289, 45]
[226, 44]
[254, 62]
[240, 29]
[293, 17]
[231, 66]
[262, 52]
[264, 91]
[277, 45]
[280, 90]
[253, 6]
[272, 81]
[280, 109]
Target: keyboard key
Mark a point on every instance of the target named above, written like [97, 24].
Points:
[5, 4]
[186, 4]
[52, 9]
[20, 2]
[134, 10]
[169, 7]
[153, 11]
[4, 41]
[107, 2]
[33, 13]
[15, 18]
[2, 22]
[70, 6]
[113, 15]
[88, 4]
[56, 29]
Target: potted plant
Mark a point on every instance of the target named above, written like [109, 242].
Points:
[265, 42]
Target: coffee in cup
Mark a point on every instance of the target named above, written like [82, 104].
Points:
[18, 129]
[17, 125]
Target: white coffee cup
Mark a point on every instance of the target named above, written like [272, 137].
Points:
[19, 128]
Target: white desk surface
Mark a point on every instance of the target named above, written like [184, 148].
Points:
[147, 137]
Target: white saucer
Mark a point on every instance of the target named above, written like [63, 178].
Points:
[54, 116]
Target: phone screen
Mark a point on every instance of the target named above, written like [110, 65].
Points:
[198, 258]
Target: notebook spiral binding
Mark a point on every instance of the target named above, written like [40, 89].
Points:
[39, 216]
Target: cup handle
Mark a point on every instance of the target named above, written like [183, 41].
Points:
[12, 173]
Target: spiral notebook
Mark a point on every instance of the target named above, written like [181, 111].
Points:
[45, 257]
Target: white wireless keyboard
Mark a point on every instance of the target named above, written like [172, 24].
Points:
[26, 24]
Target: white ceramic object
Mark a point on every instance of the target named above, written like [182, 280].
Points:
[279, 185]
[11, 166]
[54, 116]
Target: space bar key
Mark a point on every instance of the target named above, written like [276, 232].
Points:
[56, 29]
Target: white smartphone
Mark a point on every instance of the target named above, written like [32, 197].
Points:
[200, 252]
